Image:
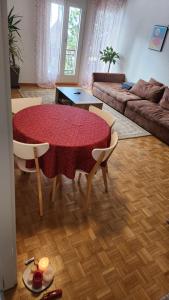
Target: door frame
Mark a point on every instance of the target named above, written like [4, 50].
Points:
[82, 5]
[8, 275]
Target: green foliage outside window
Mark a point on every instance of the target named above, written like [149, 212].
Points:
[72, 40]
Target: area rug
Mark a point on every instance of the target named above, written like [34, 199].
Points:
[125, 128]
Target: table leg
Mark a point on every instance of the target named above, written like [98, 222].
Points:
[57, 96]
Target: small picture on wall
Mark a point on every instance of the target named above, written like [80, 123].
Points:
[158, 37]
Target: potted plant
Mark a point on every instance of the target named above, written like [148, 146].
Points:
[110, 56]
[14, 49]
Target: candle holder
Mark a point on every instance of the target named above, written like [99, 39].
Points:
[38, 276]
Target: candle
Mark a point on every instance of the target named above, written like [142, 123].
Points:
[43, 264]
[37, 280]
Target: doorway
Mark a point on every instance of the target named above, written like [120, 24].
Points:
[72, 15]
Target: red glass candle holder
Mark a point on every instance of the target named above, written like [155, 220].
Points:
[37, 280]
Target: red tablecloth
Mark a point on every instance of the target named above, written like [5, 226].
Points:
[71, 132]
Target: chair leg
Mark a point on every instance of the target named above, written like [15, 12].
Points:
[79, 177]
[55, 184]
[59, 181]
[40, 193]
[107, 170]
[104, 172]
[89, 187]
[54, 189]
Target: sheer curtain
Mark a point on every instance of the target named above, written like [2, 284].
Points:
[49, 41]
[102, 29]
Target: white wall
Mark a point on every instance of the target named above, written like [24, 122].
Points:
[27, 9]
[137, 61]
[7, 190]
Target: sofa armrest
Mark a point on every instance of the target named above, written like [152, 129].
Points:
[108, 77]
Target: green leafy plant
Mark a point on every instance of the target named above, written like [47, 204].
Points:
[110, 56]
[13, 37]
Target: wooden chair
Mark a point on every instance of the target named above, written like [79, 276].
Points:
[25, 152]
[100, 156]
[21, 103]
[105, 115]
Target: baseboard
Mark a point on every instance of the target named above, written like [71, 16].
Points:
[28, 84]
[67, 84]
[57, 84]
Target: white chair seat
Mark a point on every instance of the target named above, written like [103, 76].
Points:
[21, 103]
[21, 163]
[105, 115]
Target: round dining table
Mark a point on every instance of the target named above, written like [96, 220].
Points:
[71, 132]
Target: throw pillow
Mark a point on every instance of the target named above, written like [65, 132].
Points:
[147, 90]
[127, 85]
[164, 102]
[154, 81]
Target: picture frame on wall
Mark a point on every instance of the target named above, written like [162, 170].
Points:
[158, 37]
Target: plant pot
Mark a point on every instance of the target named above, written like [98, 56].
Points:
[14, 72]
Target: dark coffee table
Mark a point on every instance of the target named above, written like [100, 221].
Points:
[77, 97]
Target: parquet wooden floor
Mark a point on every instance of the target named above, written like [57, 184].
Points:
[121, 250]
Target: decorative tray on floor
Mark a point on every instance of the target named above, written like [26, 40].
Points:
[28, 283]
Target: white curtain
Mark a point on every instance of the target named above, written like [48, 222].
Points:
[102, 29]
[49, 41]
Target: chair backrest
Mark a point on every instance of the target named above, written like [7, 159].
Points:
[105, 115]
[26, 151]
[21, 103]
[96, 153]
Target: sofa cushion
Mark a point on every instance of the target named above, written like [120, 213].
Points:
[119, 106]
[150, 111]
[113, 95]
[104, 86]
[115, 90]
[154, 81]
[147, 90]
[164, 102]
[122, 95]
